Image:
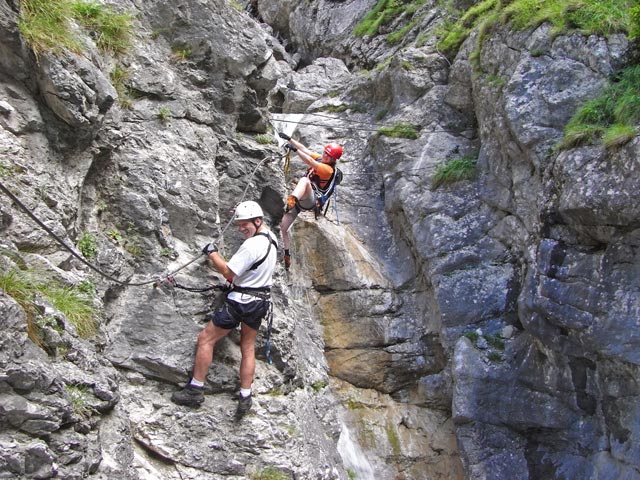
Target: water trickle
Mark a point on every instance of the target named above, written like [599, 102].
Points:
[353, 457]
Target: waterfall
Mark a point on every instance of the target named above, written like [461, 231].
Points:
[285, 122]
[353, 457]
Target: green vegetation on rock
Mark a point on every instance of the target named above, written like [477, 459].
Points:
[611, 117]
[46, 25]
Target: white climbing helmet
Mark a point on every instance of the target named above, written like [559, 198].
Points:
[248, 210]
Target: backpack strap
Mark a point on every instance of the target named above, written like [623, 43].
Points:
[271, 242]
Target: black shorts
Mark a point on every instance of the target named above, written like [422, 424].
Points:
[232, 313]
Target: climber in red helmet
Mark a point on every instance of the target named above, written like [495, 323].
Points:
[321, 169]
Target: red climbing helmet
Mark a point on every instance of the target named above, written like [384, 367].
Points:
[334, 150]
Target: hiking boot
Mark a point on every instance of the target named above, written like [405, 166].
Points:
[191, 396]
[287, 262]
[291, 203]
[244, 405]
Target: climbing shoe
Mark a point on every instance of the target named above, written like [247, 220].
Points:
[287, 261]
[244, 405]
[191, 396]
[291, 203]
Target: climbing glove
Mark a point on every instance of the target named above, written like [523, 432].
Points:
[284, 136]
[209, 248]
[291, 147]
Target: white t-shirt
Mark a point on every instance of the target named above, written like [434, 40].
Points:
[251, 251]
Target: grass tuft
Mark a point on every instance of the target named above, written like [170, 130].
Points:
[455, 170]
[46, 25]
[400, 130]
[270, 473]
[589, 17]
[164, 114]
[385, 12]
[111, 29]
[75, 305]
[611, 117]
[266, 139]
[618, 135]
[78, 394]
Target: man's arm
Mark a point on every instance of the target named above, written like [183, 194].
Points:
[220, 265]
[211, 251]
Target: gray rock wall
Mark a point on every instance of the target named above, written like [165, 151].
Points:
[485, 329]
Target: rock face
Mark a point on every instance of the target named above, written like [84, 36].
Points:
[484, 329]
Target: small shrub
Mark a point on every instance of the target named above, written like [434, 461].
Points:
[115, 235]
[87, 245]
[237, 5]
[634, 19]
[276, 392]
[6, 171]
[133, 246]
[270, 473]
[495, 341]
[352, 404]
[87, 287]
[335, 108]
[169, 253]
[494, 357]
[119, 76]
[406, 65]
[164, 114]
[400, 130]
[396, 37]
[422, 40]
[319, 385]
[473, 336]
[79, 395]
[101, 207]
[496, 80]
[181, 52]
[265, 139]
[156, 33]
[455, 170]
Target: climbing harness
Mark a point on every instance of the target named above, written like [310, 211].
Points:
[323, 195]
[271, 242]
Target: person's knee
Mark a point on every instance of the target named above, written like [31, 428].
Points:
[207, 336]
[203, 338]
